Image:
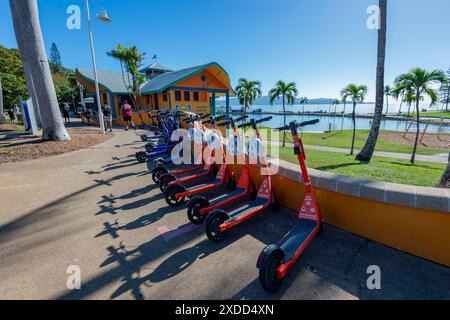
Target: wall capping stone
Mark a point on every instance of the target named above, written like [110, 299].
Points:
[434, 199]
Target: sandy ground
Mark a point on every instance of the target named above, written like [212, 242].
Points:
[14, 148]
[430, 140]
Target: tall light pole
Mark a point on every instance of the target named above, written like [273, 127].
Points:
[104, 17]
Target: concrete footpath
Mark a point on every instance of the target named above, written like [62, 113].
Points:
[96, 211]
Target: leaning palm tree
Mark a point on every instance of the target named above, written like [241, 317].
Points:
[419, 82]
[247, 91]
[288, 92]
[357, 94]
[39, 80]
[387, 93]
[369, 147]
[335, 103]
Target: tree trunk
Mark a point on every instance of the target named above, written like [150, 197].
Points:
[354, 128]
[284, 112]
[387, 105]
[343, 115]
[2, 116]
[401, 104]
[416, 142]
[448, 97]
[369, 148]
[39, 80]
[445, 180]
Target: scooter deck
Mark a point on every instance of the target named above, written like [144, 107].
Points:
[296, 238]
[226, 196]
[204, 186]
[248, 209]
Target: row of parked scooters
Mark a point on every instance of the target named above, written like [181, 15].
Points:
[186, 184]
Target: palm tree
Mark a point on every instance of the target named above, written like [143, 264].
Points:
[418, 81]
[130, 61]
[288, 91]
[39, 80]
[398, 93]
[335, 103]
[369, 147]
[357, 94]
[303, 101]
[247, 92]
[387, 93]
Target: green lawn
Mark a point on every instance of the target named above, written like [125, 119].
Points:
[382, 169]
[432, 114]
[343, 139]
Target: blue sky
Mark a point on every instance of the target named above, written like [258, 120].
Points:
[322, 45]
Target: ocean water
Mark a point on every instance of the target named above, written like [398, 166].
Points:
[336, 123]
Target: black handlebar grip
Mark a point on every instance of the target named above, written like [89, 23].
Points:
[220, 118]
[240, 119]
[263, 120]
[206, 115]
[309, 123]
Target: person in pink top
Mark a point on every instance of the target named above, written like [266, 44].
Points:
[127, 114]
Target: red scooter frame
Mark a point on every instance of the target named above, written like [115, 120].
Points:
[275, 260]
[219, 221]
[199, 207]
[176, 193]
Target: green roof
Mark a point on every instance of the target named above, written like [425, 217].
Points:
[157, 67]
[111, 80]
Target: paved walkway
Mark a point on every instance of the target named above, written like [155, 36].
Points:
[98, 210]
[438, 158]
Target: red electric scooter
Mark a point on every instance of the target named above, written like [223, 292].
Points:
[219, 221]
[199, 207]
[275, 260]
[176, 192]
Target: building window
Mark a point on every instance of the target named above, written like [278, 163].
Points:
[196, 96]
[165, 96]
[177, 95]
[187, 96]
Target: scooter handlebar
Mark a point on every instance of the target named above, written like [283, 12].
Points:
[298, 125]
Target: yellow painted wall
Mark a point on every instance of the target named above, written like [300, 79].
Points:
[423, 233]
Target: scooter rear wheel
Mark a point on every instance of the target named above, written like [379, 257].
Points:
[170, 195]
[141, 157]
[157, 173]
[164, 182]
[194, 208]
[149, 147]
[268, 274]
[212, 227]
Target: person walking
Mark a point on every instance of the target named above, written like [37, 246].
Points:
[107, 116]
[66, 112]
[127, 114]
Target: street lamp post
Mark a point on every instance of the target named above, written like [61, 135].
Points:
[103, 18]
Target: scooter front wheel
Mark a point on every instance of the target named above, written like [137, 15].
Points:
[268, 273]
[171, 195]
